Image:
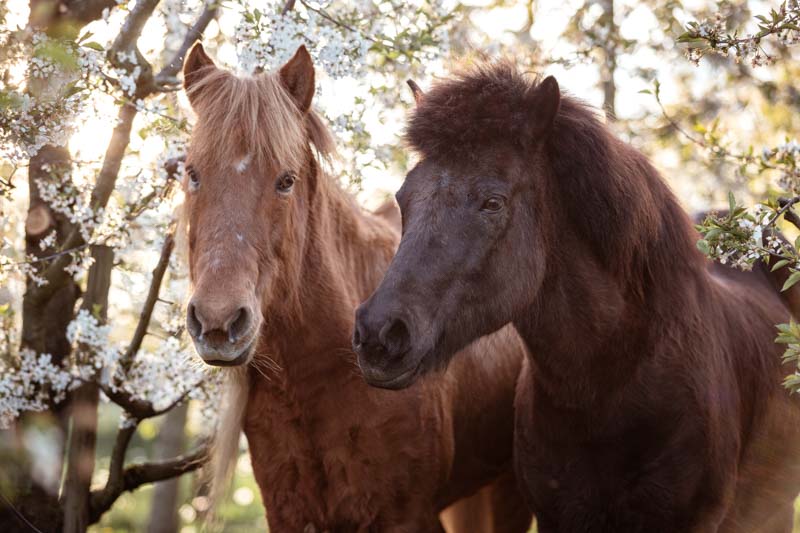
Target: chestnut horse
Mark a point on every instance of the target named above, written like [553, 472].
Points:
[651, 398]
[280, 256]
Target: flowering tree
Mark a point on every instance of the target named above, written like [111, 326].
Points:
[71, 226]
[91, 274]
[99, 227]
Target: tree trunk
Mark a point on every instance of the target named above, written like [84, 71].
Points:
[83, 437]
[44, 322]
[44, 325]
[609, 67]
[171, 443]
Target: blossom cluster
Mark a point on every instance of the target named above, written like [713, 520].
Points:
[789, 334]
[737, 238]
[41, 111]
[785, 158]
[33, 385]
[162, 377]
[712, 36]
[28, 124]
[268, 40]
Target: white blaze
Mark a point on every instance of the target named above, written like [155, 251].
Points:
[241, 165]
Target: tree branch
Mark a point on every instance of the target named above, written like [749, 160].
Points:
[149, 303]
[168, 74]
[132, 28]
[86, 11]
[140, 409]
[116, 473]
[65, 18]
[289, 6]
[135, 476]
[106, 181]
[788, 213]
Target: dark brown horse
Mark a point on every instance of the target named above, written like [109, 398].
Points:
[280, 257]
[651, 398]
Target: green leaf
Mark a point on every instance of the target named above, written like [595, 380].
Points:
[94, 46]
[780, 264]
[794, 278]
[73, 89]
[702, 245]
[645, 91]
[791, 382]
[731, 201]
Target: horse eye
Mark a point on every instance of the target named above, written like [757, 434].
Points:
[194, 179]
[285, 182]
[493, 204]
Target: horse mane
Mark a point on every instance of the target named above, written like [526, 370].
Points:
[225, 445]
[258, 114]
[614, 198]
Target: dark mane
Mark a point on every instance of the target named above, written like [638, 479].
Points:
[485, 103]
[614, 197]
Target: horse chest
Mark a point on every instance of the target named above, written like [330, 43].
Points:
[642, 476]
[315, 466]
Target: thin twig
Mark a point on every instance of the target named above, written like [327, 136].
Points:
[324, 14]
[289, 6]
[150, 301]
[19, 514]
[56, 255]
[716, 150]
[192, 35]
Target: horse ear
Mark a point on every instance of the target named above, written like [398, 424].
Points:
[196, 67]
[298, 77]
[544, 105]
[416, 91]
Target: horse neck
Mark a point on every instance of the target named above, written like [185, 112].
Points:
[345, 254]
[347, 248]
[595, 318]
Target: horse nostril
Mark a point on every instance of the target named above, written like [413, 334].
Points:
[394, 336]
[238, 325]
[192, 322]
